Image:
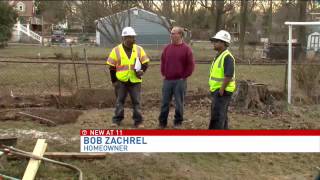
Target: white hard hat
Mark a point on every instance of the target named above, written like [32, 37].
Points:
[128, 31]
[223, 36]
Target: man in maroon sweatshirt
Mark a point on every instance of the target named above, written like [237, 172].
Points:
[177, 64]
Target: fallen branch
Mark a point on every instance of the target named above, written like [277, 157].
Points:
[47, 121]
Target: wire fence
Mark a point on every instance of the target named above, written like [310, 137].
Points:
[45, 77]
[66, 77]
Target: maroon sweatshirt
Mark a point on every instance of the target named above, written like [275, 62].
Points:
[177, 61]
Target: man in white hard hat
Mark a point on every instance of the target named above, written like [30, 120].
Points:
[127, 62]
[221, 80]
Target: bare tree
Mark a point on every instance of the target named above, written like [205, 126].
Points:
[243, 22]
[218, 9]
[52, 11]
[163, 9]
[95, 15]
[269, 24]
[208, 4]
[219, 15]
[302, 4]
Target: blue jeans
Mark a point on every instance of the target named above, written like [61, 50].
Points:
[219, 110]
[170, 88]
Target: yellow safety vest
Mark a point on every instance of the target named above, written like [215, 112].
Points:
[217, 73]
[125, 66]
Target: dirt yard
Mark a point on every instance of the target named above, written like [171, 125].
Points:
[82, 111]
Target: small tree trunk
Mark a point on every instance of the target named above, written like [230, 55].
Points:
[219, 16]
[243, 23]
[302, 29]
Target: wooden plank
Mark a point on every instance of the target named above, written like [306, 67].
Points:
[75, 155]
[33, 165]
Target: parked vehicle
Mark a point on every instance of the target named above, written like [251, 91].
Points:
[58, 36]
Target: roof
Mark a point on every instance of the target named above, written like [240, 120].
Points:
[135, 8]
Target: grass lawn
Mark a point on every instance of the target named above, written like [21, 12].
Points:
[43, 78]
[201, 50]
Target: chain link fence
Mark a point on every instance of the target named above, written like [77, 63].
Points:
[305, 64]
[45, 77]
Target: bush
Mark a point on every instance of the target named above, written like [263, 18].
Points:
[307, 77]
[59, 55]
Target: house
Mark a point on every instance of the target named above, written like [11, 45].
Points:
[25, 9]
[26, 13]
[28, 26]
[151, 28]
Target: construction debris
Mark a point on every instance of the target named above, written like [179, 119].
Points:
[36, 157]
[33, 166]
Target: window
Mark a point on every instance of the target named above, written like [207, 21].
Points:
[314, 42]
[135, 12]
[21, 6]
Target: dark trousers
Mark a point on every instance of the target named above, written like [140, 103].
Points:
[170, 88]
[122, 89]
[219, 110]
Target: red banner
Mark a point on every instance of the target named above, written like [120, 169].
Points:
[118, 132]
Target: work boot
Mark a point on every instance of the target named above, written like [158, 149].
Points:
[161, 127]
[177, 126]
[115, 125]
[139, 126]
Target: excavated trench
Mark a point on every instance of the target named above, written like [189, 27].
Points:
[67, 109]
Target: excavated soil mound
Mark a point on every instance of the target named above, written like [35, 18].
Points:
[7, 101]
[88, 98]
[57, 116]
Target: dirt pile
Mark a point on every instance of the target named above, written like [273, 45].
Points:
[88, 98]
[57, 116]
[8, 101]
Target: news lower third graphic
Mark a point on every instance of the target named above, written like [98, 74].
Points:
[126, 141]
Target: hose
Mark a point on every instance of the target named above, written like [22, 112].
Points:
[8, 177]
[12, 150]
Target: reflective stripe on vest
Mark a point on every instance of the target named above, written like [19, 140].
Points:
[139, 52]
[125, 65]
[111, 61]
[124, 68]
[219, 79]
[217, 73]
[117, 50]
[121, 68]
